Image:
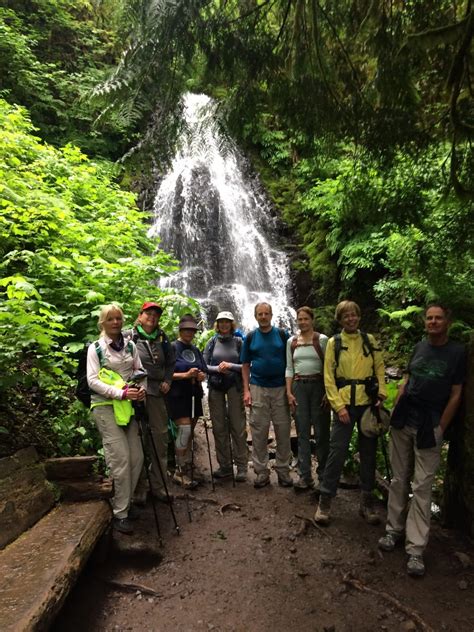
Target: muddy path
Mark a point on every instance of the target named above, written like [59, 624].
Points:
[251, 560]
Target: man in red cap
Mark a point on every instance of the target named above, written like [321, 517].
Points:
[158, 359]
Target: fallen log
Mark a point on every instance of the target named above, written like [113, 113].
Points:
[70, 467]
[98, 488]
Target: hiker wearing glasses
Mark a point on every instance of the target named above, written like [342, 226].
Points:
[427, 403]
[263, 373]
[185, 399]
[158, 358]
[354, 377]
[306, 395]
[113, 365]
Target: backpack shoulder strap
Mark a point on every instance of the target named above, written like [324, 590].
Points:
[337, 348]
[100, 353]
[238, 344]
[293, 345]
[367, 346]
[317, 346]
[212, 346]
[249, 337]
[283, 336]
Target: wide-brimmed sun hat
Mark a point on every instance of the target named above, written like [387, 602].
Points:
[373, 425]
[188, 322]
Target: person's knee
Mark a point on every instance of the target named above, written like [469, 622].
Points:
[182, 437]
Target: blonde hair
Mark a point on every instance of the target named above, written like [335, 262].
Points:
[105, 312]
[346, 306]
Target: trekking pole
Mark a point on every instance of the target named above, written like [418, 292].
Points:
[144, 418]
[186, 499]
[231, 452]
[193, 411]
[147, 469]
[209, 452]
[385, 457]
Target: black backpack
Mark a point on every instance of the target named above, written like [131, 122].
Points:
[83, 392]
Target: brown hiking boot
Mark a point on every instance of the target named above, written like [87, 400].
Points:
[367, 509]
[322, 515]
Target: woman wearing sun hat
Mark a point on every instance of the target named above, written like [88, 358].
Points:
[226, 406]
[185, 396]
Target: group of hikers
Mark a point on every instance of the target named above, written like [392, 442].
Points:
[275, 376]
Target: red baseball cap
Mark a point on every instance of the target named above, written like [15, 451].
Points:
[151, 305]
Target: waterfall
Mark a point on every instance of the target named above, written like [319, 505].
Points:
[216, 220]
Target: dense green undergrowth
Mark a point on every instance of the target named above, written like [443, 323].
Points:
[70, 240]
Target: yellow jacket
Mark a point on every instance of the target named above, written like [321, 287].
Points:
[353, 365]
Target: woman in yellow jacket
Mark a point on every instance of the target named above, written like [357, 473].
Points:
[354, 377]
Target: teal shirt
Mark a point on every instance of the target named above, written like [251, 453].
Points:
[266, 354]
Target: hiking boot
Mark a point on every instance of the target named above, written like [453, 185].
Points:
[263, 479]
[284, 479]
[222, 472]
[241, 476]
[193, 473]
[415, 565]
[389, 541]
[182, 479]
[303, 483]
[322, 515]
[367, 509]
[161, 497]
[133, 513]
[123, 525]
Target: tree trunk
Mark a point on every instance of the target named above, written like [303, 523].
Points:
[458, 497]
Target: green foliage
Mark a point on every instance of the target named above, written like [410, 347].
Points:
[70, 241]
[51, 54]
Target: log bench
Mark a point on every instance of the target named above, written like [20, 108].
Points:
[44, 543]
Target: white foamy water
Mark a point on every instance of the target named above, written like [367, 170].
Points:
[214, 217]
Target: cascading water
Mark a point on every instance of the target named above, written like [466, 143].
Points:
[216, 221]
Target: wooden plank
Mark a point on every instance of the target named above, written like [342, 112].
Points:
[84, 489]
[25, 497]
[40, 567]
[70, 467]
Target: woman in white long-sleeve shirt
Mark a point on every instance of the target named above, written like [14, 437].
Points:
[122, 448]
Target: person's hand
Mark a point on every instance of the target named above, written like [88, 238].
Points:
[192, 373]
[247, 399]
[201, 376]
[343, 416]
[136, 394]
[292, 401]
[164, 387]
[224, 367]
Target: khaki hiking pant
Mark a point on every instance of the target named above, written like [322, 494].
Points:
[270, 405]
[158, 420]
[123, 456]
[411, 464]
[227, 414]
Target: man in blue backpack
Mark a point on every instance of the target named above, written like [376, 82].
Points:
[263, 360]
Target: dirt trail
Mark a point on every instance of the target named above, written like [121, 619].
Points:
[264, 568]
